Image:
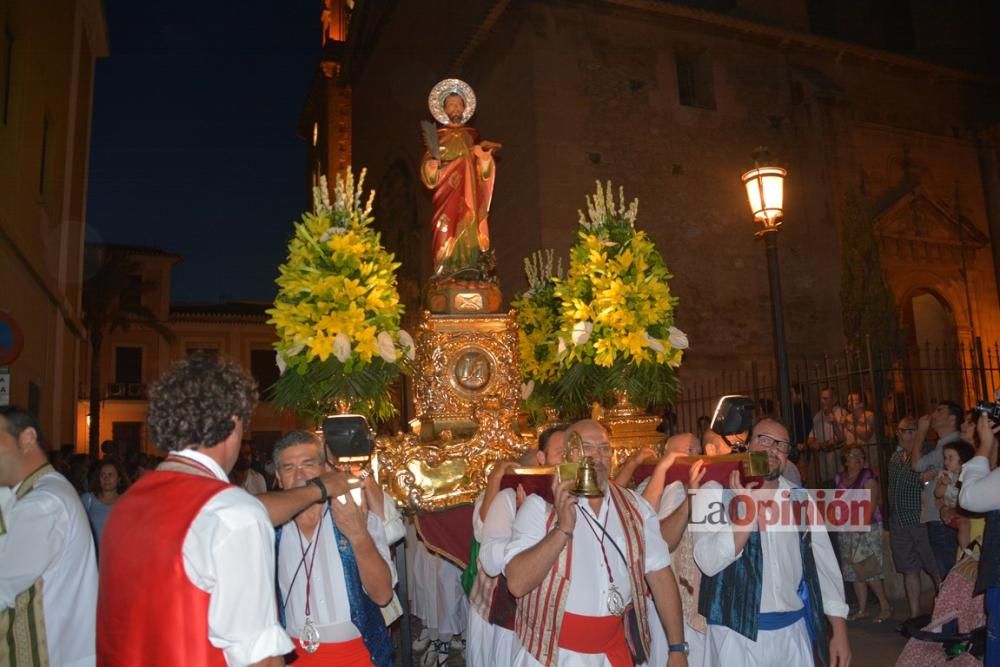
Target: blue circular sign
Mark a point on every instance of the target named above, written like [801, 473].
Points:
[11, 339]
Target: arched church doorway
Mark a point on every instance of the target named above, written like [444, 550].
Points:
[932, 354]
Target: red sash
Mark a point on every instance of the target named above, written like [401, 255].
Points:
[596, 634]
[340, 654]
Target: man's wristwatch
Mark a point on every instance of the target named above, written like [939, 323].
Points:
[322, 489]
[678, 648]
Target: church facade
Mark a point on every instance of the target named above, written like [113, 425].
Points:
[668, 100]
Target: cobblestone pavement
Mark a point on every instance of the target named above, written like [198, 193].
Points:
[873, 644]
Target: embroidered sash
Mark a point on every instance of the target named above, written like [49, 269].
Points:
[22, 627]
[540, 612]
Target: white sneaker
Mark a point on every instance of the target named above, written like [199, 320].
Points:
[437, 655]
[421, 643]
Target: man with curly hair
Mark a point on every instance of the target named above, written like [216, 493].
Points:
[187, 563]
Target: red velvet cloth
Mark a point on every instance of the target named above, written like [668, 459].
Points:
[148, 611]
[540, 485]
[448, 533]
[339, 654]
[596, 634]
[715, 471]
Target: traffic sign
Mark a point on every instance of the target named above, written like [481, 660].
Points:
[11, 339]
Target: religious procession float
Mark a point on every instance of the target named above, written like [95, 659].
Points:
[598, 340]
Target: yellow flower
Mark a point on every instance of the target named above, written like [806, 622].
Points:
[365, 343]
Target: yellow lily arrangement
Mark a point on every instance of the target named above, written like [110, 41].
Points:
[616, 326]
[337, 312]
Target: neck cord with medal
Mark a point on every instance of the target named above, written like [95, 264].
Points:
[616, 603]
[310, 635]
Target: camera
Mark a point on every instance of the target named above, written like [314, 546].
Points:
[987, 408]
[347, 439]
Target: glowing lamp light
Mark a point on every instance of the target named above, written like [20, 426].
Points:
[765, 192]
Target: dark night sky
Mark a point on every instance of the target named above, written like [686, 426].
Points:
[194, 147]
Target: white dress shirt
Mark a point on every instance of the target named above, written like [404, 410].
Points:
[489, 644]
[589, 583]
[496, 531]
[329, 606]
[229, 553]
[255, 484]
[48, 536]
[980, 490]
[714, 550]
[933, 460]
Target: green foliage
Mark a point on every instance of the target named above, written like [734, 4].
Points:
[867, 303]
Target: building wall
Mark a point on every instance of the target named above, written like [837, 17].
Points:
[49, 76]
[585, 91]
[233, 339]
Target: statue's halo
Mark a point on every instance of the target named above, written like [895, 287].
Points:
[435, 101]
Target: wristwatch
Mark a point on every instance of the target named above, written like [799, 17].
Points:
[678, 648]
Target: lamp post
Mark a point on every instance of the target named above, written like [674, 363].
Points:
[765, 192]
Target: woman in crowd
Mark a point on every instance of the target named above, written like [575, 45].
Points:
[861, 552]
[111, 483]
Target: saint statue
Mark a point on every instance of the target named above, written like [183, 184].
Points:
[458, 167]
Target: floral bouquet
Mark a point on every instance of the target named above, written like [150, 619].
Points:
[538, 323]
[616, 330]
[337, 312]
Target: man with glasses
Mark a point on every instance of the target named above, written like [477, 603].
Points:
[765, 588]
[334, 568]
[580, 568]
[911, 549]
[944, 420]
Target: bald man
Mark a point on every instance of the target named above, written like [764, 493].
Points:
[578, 564]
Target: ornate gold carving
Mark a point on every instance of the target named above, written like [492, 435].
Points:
[467, 400]
[630, 429]
[444, 473]
[471, 301]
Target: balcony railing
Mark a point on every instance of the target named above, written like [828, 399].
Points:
[125, 391]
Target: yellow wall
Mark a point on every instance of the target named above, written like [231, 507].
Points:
[54, 46]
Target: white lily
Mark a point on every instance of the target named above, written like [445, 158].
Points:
[581, 332]
[654, 343]
[406, 342]
[386, 348]
[526, 389]
[561, 350]
[677, 338]
[342, 347]
[280, 361]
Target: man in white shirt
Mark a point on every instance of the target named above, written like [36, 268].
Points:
[187, 568]
[945, 420]
[673, 511]
[48, 571]
[254, 484]
[334, 569]
[581, 571]
[764, 592]
[827, 434]
[491, 622]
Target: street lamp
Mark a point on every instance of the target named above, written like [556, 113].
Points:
[765, 192]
